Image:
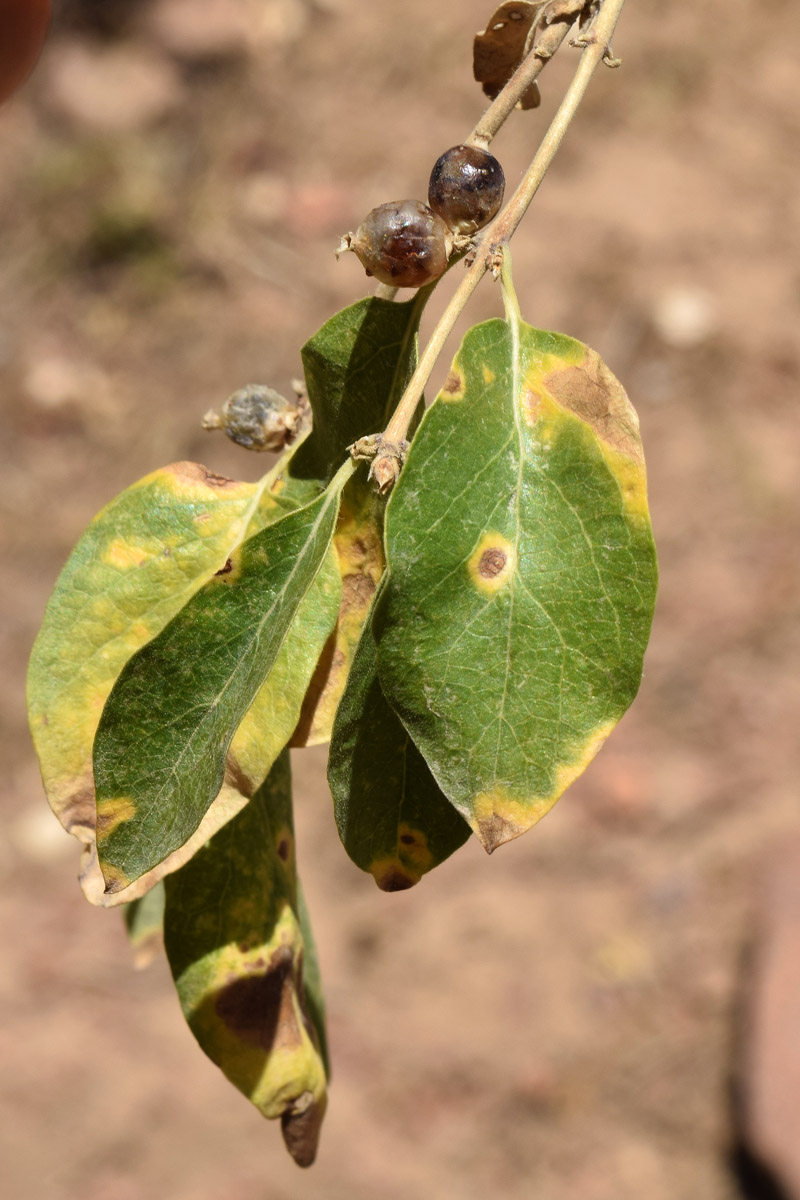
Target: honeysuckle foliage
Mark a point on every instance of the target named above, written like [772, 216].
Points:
[466, 647]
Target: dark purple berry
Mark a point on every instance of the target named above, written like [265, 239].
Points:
[466, 188]
[403, 244]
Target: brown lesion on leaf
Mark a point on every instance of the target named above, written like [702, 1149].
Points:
[230, 570]
[330, 662]
[394, 879]
[284, 846]
[74, 805]
[495, 830]
[491, 564]
[454, 387]
[300, 1126]
[115, 879]
[194, 473]
[259, 1009]
[596, 396]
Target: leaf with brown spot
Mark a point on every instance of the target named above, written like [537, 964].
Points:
[233, 931]
[521, 575]
[504, 44]
[391, 815]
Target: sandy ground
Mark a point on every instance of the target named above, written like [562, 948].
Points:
[561, 1021]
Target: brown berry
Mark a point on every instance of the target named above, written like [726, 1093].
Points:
[466, 188]
[403, 244]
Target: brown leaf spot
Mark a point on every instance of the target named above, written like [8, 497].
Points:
[283, 849]
[226, 570]
[357, 592]
[192, 472]
[394, 880]
[495, 830]
[453, 386]
[592, 393]
[300, 1127]
[258, 1009]
[492, 562]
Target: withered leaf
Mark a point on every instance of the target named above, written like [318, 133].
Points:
[504, 43]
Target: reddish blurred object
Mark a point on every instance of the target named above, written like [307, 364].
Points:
[23, 28]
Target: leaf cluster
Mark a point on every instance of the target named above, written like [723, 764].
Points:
[465, 647]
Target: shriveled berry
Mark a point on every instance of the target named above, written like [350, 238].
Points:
[466, 188]
[403, 244]
[259, 418]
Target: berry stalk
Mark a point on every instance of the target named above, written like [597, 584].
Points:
[491, 241]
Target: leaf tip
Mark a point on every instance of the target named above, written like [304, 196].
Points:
[496, 830]
[392, 878]
[301, 1126]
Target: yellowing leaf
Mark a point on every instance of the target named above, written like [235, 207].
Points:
[521, 574]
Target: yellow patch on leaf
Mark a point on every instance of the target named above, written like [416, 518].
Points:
[112, 813]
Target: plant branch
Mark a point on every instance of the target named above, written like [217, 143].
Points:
[489, 245]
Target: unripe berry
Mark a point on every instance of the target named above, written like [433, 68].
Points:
[259, 418]
[403, 244]
[466, 188]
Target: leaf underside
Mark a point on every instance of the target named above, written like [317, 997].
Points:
[521, 574]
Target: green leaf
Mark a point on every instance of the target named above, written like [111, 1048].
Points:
[141, 559]
[164, 734]
[356, 368]
[235, 946]
[522, 574]
[144, 921]
[392, 818]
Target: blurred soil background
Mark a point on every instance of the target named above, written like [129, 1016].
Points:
[578, 1018]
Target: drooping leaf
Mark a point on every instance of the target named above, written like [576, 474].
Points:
[522, 574]
[356, 368]
[135, 567]
[235, 946]
[164, 734]
[358, 544]
[227, 803]
[144, 921]
[392, 818]
[504, 44]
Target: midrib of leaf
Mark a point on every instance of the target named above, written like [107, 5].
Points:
[513, 320]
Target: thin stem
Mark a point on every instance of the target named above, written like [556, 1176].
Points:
[488, 251]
